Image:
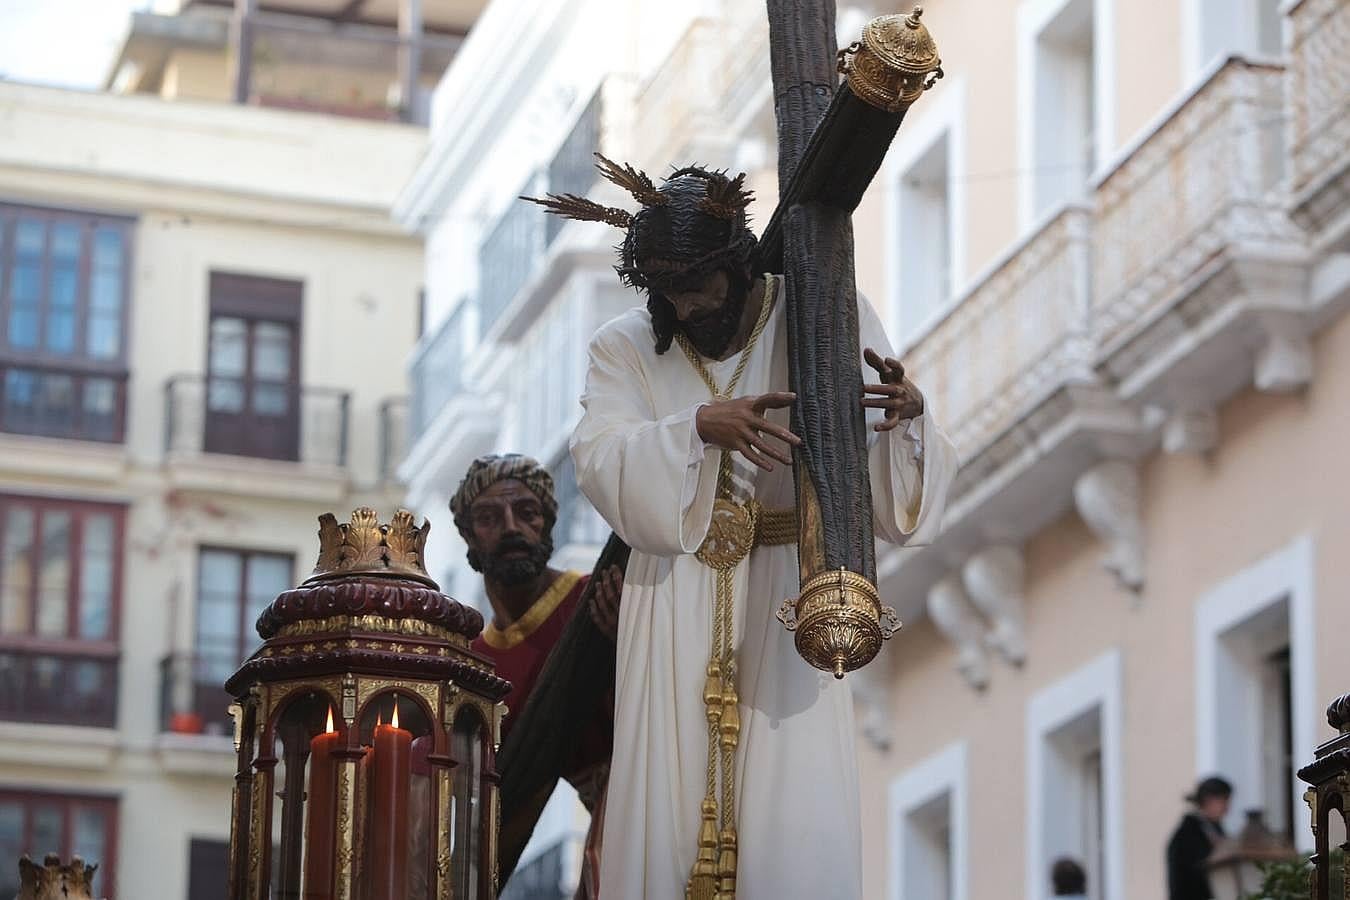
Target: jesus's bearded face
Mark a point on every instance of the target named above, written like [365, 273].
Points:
[706, 310]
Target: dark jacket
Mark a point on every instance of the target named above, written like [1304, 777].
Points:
[1190, 846]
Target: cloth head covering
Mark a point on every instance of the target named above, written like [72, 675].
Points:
[486, 471]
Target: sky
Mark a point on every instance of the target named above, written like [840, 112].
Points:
[69, 43]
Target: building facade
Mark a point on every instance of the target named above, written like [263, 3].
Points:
[206, 313]
[1111, 246]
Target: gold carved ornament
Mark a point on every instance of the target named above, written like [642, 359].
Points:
[730, 538]
[363, 546]
[895, 61]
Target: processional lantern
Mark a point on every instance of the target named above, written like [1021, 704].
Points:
[1328, 799]
[366, 732]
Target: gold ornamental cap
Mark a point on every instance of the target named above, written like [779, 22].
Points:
[894, 62]
[364, 546]
[902, 42]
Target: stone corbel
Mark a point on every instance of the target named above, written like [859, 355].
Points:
[1284, 363]
[953, 615]
[1193, 431]
[1108, 498]
[993, 579]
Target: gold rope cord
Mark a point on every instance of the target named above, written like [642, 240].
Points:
[714, 873]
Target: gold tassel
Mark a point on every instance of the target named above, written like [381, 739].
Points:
[703, 880]
[726, 866]
[731, 720]
[712, 689]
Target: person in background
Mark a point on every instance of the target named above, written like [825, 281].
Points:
[1068, 879]
[1194, 840]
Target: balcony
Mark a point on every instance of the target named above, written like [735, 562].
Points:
[52, 401]
[196, 731]
[59, 683]
[510, 253]
[249, 436]
[1197, 195]
[1319, 127]
[1019, 335]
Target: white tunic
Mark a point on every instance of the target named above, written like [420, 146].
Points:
[642, 464]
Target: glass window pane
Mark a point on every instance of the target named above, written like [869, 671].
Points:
[218, 613]
[65, 242]
[271, 399]
[11, 845]
[47, 821]
[268, 575]
[16, 577]
[103, 333]
[28, 234]
[96, 576]
[89, 840]
[100, 409]
[25, 286]
[272, 351]
[228, 336]
[54, 575]
[108, 248]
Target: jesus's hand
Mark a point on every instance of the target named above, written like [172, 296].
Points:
[896, 394]
[740, 425]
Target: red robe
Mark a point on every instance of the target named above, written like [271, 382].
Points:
[519, 652]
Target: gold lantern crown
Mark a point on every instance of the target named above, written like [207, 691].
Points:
[364, 546]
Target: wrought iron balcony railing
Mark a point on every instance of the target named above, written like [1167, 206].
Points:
[192, 697]
[394, 424]
[256, 418]
[59, 683]
[54, 401]
[438, 369]
[508, 256]
[1319, 91]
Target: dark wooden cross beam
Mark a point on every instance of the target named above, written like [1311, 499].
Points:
[831, 142]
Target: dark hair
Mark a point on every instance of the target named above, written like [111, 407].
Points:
[1068, 877]
[664, 321]
[1213, 786]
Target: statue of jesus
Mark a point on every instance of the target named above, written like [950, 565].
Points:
[734, 772]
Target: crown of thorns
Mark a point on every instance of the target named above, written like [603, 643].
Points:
[723, 198]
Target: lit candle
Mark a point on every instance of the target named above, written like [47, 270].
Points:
[320, 819]
[389, 811]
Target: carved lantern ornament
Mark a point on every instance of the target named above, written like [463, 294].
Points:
[366, 731]
[1329, 801]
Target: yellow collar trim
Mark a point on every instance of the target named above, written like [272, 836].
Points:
[536, 615]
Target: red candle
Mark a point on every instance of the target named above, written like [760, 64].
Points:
[389, 811]
[320, 819]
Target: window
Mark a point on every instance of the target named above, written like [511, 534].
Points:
[1074, 780]
[1255, 687]
[63, 298]
[208, 869]
[60, 576]
[1220, 28]
[925, 216]
[253, 363]
[1062, 143]
[37, 824]
[927, 816]
[233, 588]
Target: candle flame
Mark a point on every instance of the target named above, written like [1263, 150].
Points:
[329, 729]
[394, 719]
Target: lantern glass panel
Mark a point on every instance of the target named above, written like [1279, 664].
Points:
[396, 780]
[468, 737]
[302, 782]
[1336, 838]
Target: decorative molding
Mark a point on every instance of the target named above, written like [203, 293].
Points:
[945, 772]
[1284, 363]
[959, 623]
[1108, 498]
[1191, 431]
[993, 580]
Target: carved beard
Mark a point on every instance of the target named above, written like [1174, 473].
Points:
[513, 571]
[713, 333]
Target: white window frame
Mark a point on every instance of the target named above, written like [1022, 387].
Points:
[1033, 16]
[942, 773]
[942, 112]
[1095, 685]
[1195, 65]
[1286, 575]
